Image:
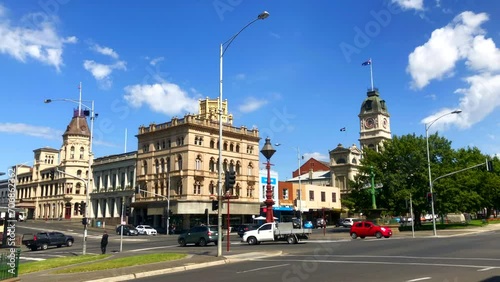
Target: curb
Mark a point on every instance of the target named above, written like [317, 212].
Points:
[227, 260]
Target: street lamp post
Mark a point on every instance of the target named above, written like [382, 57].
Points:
[92, 117]
[268, 151]
[223, 48]
[427, 126]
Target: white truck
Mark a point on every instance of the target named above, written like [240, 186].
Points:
[275, 231]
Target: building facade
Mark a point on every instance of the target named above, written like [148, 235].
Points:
[55, 186]
[178, 168]
[114, 184]
[374, 119]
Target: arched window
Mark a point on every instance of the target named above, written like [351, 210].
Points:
[231, 166]
[211, 166]
[157, 166]
[231, 147]
[179, 162]
[197, 188]
[144, 167]
[224, 165]
[168, 164]
[198, 163]
[354, 161]
[250, 168]
[162, 165]
[179, 187]
[212, 144]
[341, 161]
[237, 148]
[79, 173]
[211, 187]
[72, 153]
[225, 146]
[78, 186]
[238, 168]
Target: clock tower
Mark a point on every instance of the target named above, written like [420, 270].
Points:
[374, 119]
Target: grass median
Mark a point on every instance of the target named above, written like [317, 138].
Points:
[88, 263]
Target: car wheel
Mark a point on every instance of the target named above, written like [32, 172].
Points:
[202, 242]
[182, 242]
[69, 243]
[290, 240]
[378, 235]
[252, 240]
[45, 246]
[354, 235]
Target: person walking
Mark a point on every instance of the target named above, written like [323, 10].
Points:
[104, 242]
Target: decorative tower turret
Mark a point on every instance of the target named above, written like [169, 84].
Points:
[375, 126]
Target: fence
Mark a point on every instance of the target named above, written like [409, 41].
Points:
[9, 262]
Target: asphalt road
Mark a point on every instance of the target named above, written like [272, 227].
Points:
[463, 258]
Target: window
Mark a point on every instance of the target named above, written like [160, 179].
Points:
[179, 162]
[211, 187]
[97, 182]
[78, 186]
[250, 191]
[168, 164]
[157, 146]
[197, 163]
[285, 194]
[334, 197]
[311, 195]
[79, 173]
[145, 148]
[323, 196]
[231, 166]
[197, 188]
[157, 166]
[72, 153]
[237, 148]
[224, 165]
[225, 147]
[144, 167]
[162, 165]
[250, 168]
[231, 147]
[238, 168]
[212, 144]
[82, 151]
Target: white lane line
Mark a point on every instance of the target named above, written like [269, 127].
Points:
[35, 259]
[486, 269]
[418, 279]
[261, 268]
[153, 248]
[398, 257]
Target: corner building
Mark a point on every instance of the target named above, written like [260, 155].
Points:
[178, 162]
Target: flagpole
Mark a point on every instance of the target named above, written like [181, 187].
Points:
[371, 72]
[80, 100]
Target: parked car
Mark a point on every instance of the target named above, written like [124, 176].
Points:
[199, 235]
[246, 227]
[339, 222]
[364, 229]
[42, 240]
[320, 223]
[348, 222]
[308, 224]
[146, 230]
[128, 230]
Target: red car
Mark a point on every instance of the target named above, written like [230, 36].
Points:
[363, 229]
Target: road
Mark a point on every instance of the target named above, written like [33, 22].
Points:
[454, 259]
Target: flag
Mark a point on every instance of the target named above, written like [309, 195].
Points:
[367, 63]
[342, 129]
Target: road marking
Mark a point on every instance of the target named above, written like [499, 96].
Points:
[261, 268]
[486, 269]
[153, 248]
[27, 258]
[418, 279]
[398, 257]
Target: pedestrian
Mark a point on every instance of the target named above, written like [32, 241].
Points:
[104, 242]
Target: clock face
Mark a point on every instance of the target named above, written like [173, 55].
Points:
[385, 123]
[369, 123]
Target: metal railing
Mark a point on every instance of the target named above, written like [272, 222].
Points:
[9, 262]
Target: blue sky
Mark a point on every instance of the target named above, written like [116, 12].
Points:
[297, 75]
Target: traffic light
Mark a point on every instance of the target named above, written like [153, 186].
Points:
[215, 205]
[127, 211]
[84, 221]
[206, 212]
[489, 166]
[82, 208]
[429, 197]
[52, 174]
[230, 180]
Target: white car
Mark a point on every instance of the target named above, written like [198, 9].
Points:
[146, 230]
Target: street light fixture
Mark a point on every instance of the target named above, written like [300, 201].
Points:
[268, 151]
[92, 116]
[223, 48]
[427, 126]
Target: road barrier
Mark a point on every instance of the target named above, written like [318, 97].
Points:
[9, 263]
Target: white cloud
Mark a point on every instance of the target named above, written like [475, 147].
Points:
[155, 61]
[275, 35]
[102, 72]
[104, 51]
[31, 130]
[166, 98]
[252, 104]
[438, 56]
[41, 43]
[317, 156]
[240, 76]
[462, 39]
[410, 4]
